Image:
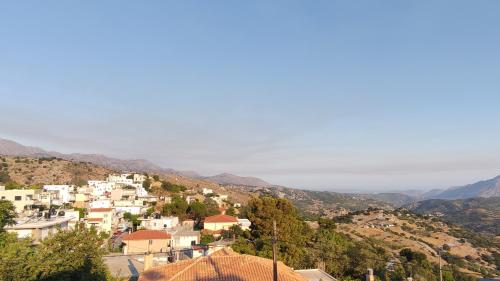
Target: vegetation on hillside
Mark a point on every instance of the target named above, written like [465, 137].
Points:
[299, 246]
[476, 214]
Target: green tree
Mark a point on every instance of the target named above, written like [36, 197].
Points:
[177, 207]
[212, 207]
[7, 214]
[66, 255]
[207, 238]
[146, 184]
[293, 233]
[71, 255]
[16, 258]
[231, 211]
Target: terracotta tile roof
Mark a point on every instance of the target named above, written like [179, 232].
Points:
[221, 218]
[101, 210]
[94, 219]
[146, 235]
[223, 265]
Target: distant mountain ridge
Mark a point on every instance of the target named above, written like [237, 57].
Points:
[485, 188]
[12, 148]
[226, 178]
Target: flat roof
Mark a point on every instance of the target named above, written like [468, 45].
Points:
[39, 222]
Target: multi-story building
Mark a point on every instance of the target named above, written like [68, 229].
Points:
[39, 228]
[159, 223]
[63, 193]
[101, 187]
[21, 198]
[103, 219]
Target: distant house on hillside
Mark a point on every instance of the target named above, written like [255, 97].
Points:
[216, 224]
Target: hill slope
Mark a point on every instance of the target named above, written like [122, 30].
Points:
[38, 171]
[12, 148]
[478, 214]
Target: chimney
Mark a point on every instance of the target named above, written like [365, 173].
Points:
[148, 261]
[369, 275]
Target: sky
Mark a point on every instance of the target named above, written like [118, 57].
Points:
[331, 95]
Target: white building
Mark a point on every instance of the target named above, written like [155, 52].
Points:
[39, 228]
[244, 224]
[101, 187]
[207, 191]
[63, 192]
[139, 178]
[160, 223]
[101, 203]
[123, 179]
[185, 238]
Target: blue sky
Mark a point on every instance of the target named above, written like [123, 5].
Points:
[351, 95]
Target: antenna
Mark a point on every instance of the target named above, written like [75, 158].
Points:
[275, 264]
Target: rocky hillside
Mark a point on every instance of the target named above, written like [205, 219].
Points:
[478, 214]
[37, 171]
[396, 230]
[11, 148]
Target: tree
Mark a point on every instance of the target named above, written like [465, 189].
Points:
[212, 207]
[293, 233]
[134, 219]
[16, 257]
[156, 177]
[7, 214]
[207, 238]
[71, 255]
[66, 255]
[171, 187]
[177, 207]
[146, 184]
[231, 211]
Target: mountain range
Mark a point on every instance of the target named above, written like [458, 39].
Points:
[12, 148]
[486, 188]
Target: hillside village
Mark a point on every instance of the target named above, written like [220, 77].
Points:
[132, 210]
[152, 221]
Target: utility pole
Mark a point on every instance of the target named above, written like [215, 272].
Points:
[275, 263]
[440, 271]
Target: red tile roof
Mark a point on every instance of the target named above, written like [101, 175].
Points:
[223, 265]
[221, 218]
[94, 219]
[101, 210]
[146, 235]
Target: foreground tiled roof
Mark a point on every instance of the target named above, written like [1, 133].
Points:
[146, 235]
[223, 265]
[221, 218]
[101, 210]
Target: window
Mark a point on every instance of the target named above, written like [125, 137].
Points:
[18, 198]
[29, 197]
[3, 197]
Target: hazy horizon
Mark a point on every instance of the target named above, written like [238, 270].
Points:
[326, 95]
